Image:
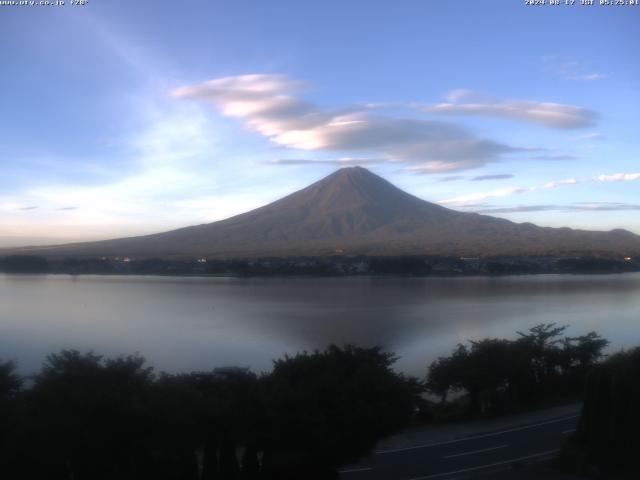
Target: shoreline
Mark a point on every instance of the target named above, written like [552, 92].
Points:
[590, 263]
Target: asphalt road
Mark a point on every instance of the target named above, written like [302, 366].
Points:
[467, 456]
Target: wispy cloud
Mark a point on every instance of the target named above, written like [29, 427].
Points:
[559, 183]
[270, 105]
[502, 176]
[554, 157]
[473, 198]
[588, 76]
[603, 206]
[546, 114]
[618, 177]
[516, 209]
[570, 69]
[476, 198]
[576, 207]
[165, 165]
[344, 161]
[590, 136]
[451, 178]
[31, 207]
[459, 94]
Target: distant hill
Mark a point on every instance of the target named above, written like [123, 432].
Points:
[353, 211]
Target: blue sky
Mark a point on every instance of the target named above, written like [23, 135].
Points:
[123, 118]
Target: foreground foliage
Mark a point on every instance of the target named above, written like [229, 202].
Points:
[605, 445]
[88, 417]
[497, 375]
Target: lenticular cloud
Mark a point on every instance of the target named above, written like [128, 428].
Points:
[271, 106]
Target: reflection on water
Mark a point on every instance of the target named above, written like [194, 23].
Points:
[198, 323]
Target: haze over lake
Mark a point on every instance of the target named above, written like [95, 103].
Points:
[197, 323]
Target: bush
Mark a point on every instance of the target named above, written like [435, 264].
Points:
[607, 435]
[499, 374]
[88, 417]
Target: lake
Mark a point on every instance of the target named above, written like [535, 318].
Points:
[197, 323]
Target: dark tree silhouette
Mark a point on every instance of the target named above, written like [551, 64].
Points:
[204, 418]
[88, 416]
[10, 381]
[446, 373]
[24, 264]
[499, 374]
[607, 434]
[10, 387]
[329, 408]
[85, 417]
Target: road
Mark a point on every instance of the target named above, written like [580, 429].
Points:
[467, 456]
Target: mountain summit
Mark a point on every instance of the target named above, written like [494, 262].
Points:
[354, 211]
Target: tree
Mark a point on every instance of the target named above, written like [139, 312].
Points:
[607, 433]
[89, 419]
[585, 351]
[488, 372]
[10, 381]
[446, 373]
[24, 264]
[329, 408]
[203, 418]
[10, 388]
[497, 374]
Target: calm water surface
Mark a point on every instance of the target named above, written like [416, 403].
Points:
[199, 323]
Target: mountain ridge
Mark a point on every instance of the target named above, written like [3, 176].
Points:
[353, 211]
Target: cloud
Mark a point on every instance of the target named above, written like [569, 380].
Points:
[576, 207]
[173, 173]
[603, 206]
[455, 95]
[590, 136]
[451, 178]
[569, 69]
[618, 177]
[546, 114]
[554, 157]
[518, 209]
[560, 183]
[473, 199]
[503, 176]
[167, 158]
[344, 161]
[28, 208]
[270, 105]
[588, 76]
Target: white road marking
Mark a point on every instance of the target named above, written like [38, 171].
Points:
[475, 451]
[489, 465]
[474, 437]
[353, 470]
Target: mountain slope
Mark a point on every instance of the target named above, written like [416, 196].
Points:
[354, 211]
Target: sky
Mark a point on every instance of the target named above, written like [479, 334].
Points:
[123, 118]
